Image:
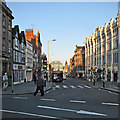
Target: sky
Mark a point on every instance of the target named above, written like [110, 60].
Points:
[67, 22]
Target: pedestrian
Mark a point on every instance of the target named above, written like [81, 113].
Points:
[34, 77]
[5, 81]
[40, 84]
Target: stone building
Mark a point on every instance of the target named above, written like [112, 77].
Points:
[102, 51]
[57, 65]
[6, 38]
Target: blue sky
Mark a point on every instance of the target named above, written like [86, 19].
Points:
[67, 22]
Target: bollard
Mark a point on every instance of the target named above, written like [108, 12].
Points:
[103, 83]
[94, 82]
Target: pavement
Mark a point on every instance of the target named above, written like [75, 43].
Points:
[109, 86]
[29, 87]
[24, 88]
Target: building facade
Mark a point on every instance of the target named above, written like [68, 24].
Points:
[102, 51]
[19, 44]
[57, 65]
[29, 61]
[6, 33]
[66, 69]
[79, 61]
[36, 42]
[72, 72]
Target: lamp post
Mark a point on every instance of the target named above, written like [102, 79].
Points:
[48, 60]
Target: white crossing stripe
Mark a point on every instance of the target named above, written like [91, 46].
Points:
[87, 86]
[57, 86]
[110, 104]
[72, 86]
[64, 86]
[48, 99]
[80, 86]
[77, 101]
[70, 110]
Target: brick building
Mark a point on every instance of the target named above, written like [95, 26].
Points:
[37, 45]
[77, 62]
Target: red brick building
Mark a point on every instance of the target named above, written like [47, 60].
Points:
[37, 45]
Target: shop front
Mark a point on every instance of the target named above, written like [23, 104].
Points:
[18, 74]
[28, 74]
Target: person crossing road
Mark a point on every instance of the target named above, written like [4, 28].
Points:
[40, 84]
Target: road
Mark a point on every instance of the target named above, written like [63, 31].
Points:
[73, 98]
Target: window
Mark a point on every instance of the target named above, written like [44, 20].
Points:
[4, 20]
[9, 25]
[3, 44]
[9, 46]
[115, 58]
[109, 59]
[108, 45]
[115, 43]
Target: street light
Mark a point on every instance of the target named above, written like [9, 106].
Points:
[48, 59]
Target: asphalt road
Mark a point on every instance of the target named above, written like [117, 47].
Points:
[73, 98]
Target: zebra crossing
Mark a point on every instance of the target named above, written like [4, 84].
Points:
[71, 86]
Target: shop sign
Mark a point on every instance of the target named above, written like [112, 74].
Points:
[15, 67]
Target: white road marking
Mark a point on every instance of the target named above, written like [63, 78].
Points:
[70, 110]
[77, 101]
[72, 86]
[64, 86]
[110, 104]
[48, 99]
[87, 86]
[53, 88]
[57, 86]
[47, 92]
[113, 93]
[21, 98]
[80, 86]
[91, 113]
[29, 114]
[54, 108]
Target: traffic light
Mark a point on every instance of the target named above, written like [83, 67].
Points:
[44, 63]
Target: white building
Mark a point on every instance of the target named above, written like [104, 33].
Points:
[29, 61]
[19, 44]
[102, 50]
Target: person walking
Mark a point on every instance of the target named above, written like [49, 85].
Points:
[40, 84]
[5, 81]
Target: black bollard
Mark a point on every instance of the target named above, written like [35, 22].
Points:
[103, 84]
[94, 82]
